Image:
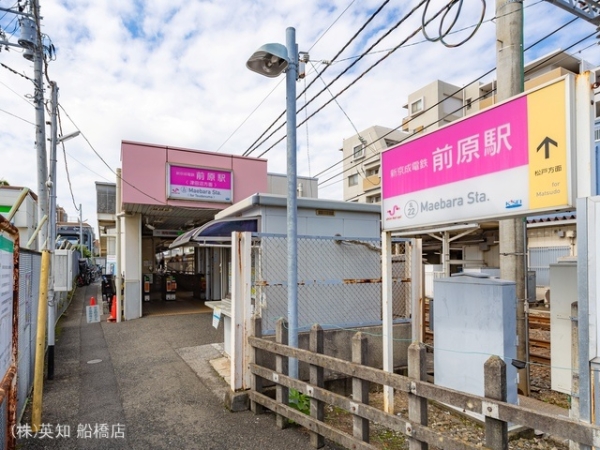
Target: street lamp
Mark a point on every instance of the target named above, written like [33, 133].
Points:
[271, 60]
[51, 240]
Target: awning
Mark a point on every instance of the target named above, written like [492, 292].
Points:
[216, 232]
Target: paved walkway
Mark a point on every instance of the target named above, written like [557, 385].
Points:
[128, 386]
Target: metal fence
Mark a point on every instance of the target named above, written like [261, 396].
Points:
[29, 287]
[339, 281]
[29, 290]
[540, 259]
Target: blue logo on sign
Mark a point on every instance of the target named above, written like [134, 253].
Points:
[514, 204]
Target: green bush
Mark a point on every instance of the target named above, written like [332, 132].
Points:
[299, 401]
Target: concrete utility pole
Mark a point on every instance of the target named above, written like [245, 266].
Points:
[52, 228]
[40, 122]
[509, 71]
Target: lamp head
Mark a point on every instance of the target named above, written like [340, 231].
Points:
[66, 137]
[269, 60]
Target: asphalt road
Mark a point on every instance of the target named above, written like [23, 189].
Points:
[125, 386]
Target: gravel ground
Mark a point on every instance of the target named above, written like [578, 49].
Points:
[457, 426]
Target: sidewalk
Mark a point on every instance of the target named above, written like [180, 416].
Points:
[128, 386]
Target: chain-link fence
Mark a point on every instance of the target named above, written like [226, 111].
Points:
[339, 288]
[339, 281]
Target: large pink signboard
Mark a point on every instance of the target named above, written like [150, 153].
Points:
[203, 184]
[473, 168]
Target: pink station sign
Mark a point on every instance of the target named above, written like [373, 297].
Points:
[470, 169]
[201, 184]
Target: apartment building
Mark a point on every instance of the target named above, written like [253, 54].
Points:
[431, 107]
[361, 159]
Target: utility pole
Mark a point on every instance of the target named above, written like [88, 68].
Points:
[509, 72]
[40, 134]
[52, 227]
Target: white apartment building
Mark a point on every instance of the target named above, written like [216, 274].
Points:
[361, 158]
[429, 108]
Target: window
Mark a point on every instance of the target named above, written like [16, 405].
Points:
[372, 171]
[416, 106]
[353, 180]
[390, 142]
[374, 198]
[358, 152]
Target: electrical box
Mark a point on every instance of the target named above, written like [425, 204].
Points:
[62, 270]
[475, 317]
[563, 292]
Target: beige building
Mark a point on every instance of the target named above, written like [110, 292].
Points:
[549, 238]
[429, 108]
[361, 157]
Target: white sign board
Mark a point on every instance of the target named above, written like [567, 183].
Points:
[92, 313]
[512, 159]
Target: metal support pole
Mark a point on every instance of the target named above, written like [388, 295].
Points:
[509, 76]
[81, 228]
[52, 229]
[292, 219]
[119, 298]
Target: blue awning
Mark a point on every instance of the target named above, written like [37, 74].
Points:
[216, 232]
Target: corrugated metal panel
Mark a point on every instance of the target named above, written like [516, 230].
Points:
[540, 259]
[29, 284]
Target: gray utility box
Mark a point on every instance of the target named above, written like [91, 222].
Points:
[563, 292]
[475, 317]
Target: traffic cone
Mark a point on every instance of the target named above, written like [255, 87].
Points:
[113, 310]
[92, 301]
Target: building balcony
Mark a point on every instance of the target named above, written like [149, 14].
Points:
[372, 182]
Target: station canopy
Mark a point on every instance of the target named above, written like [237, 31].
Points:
[216, 232]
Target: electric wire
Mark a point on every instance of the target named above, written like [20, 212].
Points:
[6, 12]
[17, 73]
[531, 69]
[438, 13]
[14, 115]
[22, 97]
[160, 202]
[333, 23]
[250, 149]
[280, 81]
[66, 163]
[365, 72]
[250, 115]
[404, 18]
[442, 33]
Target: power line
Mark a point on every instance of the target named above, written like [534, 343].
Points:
[531, 69]
[412, 11]
[160, 202]
[359, 77]
[477, 79]
[442, 12]
[249, 150]
[17, 73]
[14, 115]
[280, 81]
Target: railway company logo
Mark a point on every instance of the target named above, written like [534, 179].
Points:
[510, 204]
[411, 209]
[392, 213]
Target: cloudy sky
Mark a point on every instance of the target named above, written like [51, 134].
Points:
[173, 73]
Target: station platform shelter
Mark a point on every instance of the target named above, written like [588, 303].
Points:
[161, 193]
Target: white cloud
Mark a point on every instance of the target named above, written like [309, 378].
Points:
[173, 72]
